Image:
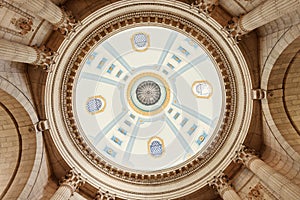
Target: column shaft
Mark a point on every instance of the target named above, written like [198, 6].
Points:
[267, 12]
[62, 193]
[17, 52]
[46, 9]
[274, 180]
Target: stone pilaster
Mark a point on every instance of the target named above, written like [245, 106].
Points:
[62, 20]
[16, 52]
[68, 185]
[270, 177]
[259, 16]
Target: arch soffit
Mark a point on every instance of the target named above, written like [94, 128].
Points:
[284, 50]
[25, 115]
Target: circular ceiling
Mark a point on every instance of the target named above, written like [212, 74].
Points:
[148, 98]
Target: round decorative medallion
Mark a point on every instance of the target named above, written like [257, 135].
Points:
[148, 93]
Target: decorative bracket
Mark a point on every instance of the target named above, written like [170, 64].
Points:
[42, 126]
[259, 94]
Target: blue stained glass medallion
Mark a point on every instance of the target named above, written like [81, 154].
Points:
[156, 146]
[140, 41]
[95, 104]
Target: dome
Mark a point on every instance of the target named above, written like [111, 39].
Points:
[149, 97]
[138, 100]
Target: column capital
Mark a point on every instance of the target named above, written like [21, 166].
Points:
[45, 57]
[235, 28]
[245, 156]
[104, 195]
[67, 23]
[205, 6]
[220, 182]
[72, 179]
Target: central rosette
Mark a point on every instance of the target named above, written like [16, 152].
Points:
[148, 93]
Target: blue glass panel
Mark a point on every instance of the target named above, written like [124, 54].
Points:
[192, 129]
[94, 105]
[102, 63]
[110, 151]
[116, 140]
[156, 148]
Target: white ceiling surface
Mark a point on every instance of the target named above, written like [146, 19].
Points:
[178, 145]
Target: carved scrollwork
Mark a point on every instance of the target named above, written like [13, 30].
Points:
[72, 179]
[221, 183]
[45, 57]
[67, 24]
[235, 28]
[244, 155]
[104, 195]
[205, 6]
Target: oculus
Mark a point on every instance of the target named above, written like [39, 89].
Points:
[148, 93]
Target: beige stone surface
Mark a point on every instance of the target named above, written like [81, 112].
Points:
[32, 170]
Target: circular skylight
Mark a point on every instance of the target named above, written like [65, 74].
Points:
[148, 98]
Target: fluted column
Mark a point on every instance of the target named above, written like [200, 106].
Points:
[68, 185]
[205, 6]
[46, 9]
[13, 51]
[270, 177]
[104, 195]
[259, 16]
[221, 183]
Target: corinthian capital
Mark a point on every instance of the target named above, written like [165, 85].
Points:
[73, 180]
[244, 155]
[67, 23]
[220, 183]
[235, 28]
[104, 195]
[205, 6]
[45, 57]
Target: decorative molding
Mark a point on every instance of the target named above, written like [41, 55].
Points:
[256, 193]
[73, 180]
[67, 23]
[45, 57]
[104, 195]
[15, 9]
[42, 126]
[10, 31]
[235, 28]
[205, 6]
[23, 24]
[150, 18]
[221, 183]
[245, 156]
[259, 94]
